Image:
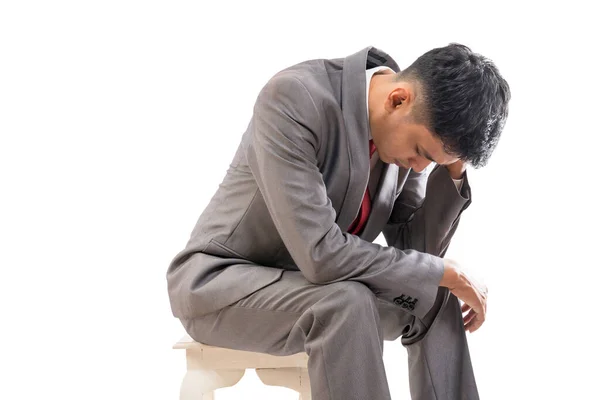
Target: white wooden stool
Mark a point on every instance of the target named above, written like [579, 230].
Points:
[210, 368]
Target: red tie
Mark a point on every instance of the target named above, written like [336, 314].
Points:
[365, 207]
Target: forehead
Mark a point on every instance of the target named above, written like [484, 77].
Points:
[430, 143]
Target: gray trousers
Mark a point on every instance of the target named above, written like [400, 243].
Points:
[341, 326]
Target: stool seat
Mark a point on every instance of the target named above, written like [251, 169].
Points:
[210, 368]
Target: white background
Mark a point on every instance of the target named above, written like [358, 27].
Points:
[118, 120]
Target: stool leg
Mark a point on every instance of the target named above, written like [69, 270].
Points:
[294, 378]
[200, 384]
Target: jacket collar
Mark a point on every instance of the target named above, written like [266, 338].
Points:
[354, 111]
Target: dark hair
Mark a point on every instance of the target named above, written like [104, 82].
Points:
[464, 100]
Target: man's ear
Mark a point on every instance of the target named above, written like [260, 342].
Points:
[396, 98]
[400, 95]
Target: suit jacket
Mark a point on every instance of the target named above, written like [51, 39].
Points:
[295, 185]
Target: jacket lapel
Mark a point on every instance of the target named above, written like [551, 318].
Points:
[383, 202]
[354, 111]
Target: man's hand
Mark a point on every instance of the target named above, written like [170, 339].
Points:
[472, 293]
[456, 169]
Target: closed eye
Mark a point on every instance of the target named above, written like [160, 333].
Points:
[424, 154]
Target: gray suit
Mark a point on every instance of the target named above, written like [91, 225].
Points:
[270, 267]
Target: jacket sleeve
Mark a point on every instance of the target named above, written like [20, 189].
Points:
[286, 130]
[427, 211]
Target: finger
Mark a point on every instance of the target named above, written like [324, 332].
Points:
[465, 307]
[470, 327]
[469, 317]
[475, 323]
[474, 326]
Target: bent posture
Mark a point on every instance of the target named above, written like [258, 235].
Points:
[282, 259]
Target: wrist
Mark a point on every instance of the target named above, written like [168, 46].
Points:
[450, 276]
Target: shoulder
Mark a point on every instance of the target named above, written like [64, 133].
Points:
[308, 80]
[294, 95]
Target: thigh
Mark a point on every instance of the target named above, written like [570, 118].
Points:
[264, 321]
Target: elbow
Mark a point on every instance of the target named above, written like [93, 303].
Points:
[321, 259]
[309, 268]
[316, 270]
[321, 271]
[312, 278]
[314, 273]
[320, 266]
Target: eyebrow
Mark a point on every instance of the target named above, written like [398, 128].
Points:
[424, 154]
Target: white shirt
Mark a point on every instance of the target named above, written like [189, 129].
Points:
[369, 74]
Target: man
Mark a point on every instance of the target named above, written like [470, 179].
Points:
[281, 260]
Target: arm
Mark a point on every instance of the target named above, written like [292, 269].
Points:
[427, 222]
[286, 130]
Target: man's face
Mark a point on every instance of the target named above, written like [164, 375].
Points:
[399, 140]
[409, 145]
